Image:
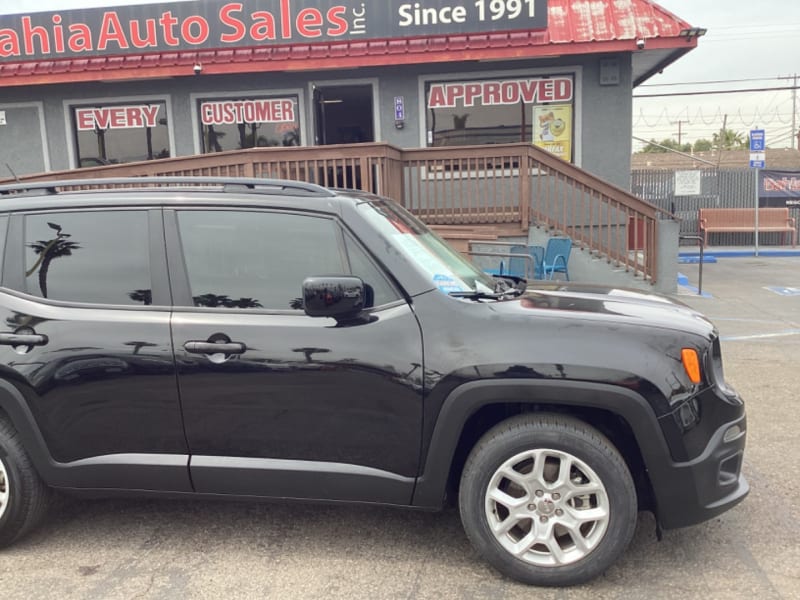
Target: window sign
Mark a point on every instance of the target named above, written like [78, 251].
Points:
[553, 129]
[112, 134]
[502, 111]
[235, 124]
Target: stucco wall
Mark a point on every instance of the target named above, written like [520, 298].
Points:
[21, 139]
[602, 113]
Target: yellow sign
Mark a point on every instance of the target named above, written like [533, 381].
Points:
[552, 129]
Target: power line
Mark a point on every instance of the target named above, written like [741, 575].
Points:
[748, 30]
[708, 92]
[787, 33]
[775, 113]
[749, 79]
[759, 25]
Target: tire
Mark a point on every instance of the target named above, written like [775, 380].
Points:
[533, 523]
[24, 497]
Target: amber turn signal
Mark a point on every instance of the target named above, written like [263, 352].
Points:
[691, 362]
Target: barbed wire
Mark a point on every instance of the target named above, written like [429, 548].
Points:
[741, 117]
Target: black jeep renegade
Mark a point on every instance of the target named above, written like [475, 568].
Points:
[273, 339]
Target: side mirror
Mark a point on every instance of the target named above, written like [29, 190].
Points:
[335, 297]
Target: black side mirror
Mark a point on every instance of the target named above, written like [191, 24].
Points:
[335, 297]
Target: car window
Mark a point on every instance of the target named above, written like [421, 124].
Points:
[362, 266]
[250, 259]
[448, 270]
[93, 256]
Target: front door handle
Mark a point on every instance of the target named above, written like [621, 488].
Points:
[196, 347]
[22, 339]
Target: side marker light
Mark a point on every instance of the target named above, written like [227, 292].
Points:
[691, 362]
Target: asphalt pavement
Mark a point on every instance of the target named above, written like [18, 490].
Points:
[147, 549]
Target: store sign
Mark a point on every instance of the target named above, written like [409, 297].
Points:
[197, 25]
[783, 185]
[116, 117]
[500, 93]
[230, 112]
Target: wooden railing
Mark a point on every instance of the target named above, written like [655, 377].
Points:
[467, 185]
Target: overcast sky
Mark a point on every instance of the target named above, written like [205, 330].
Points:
[747, 39]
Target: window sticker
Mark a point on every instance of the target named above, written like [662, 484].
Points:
[447, 284]
[440, 274]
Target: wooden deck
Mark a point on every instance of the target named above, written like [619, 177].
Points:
[465, 192]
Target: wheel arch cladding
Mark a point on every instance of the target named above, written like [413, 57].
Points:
[472, 409]
[14, 409]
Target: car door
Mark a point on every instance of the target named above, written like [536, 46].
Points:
[85, 346]
[290, 405]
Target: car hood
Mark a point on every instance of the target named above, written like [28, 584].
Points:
[608, 304]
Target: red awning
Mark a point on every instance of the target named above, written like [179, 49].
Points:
[575, 27]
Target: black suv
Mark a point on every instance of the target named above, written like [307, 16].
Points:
[272, 339]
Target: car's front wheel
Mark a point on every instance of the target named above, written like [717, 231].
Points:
[547, 500]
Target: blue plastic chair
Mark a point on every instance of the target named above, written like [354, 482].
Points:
[556, 257]
[521, 266]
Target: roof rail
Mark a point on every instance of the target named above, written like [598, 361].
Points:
[228, 184]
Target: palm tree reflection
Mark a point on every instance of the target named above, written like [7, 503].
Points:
[224, 301]
[48, 251]
[143, 296]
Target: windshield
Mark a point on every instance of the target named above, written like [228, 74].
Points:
[448, 270]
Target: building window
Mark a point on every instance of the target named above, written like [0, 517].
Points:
[93, 257]
[120, 133]
[235, 124]
[502, 111]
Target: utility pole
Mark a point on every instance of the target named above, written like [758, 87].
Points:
[720, 141]
[680, 130]
[795, 132]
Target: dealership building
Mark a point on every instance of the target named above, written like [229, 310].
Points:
[115, 85]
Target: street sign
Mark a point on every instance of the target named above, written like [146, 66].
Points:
[758, 160]
[688, 183]
[399, 108]
[757, 140]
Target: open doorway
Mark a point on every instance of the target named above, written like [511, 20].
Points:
[344, 114]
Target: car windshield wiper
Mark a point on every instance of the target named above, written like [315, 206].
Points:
[504, 283]
[478, 295]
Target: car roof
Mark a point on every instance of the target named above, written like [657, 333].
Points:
[149, 191]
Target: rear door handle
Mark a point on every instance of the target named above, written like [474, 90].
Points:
[22, 339]
[196, 347]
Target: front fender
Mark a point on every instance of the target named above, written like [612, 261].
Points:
[467, 399]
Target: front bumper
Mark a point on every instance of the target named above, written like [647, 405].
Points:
[708, 485]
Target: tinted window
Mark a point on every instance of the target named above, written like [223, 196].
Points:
[95, 257]
[364, 268]
[256, 259]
